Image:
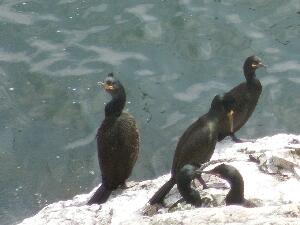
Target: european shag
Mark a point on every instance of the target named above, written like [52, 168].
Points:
[117, 142]
[236, 194]
[246, 96]
[197, 143]
[183, 180]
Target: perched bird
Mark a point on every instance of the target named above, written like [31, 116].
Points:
[236, 194]
[197, 143]
[117, 142]
[246, 96]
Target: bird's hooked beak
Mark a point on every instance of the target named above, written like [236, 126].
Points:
[230, 118]
[260, 64]
[106, 86]
[200, 171]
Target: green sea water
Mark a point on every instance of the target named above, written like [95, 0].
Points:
[172, 56]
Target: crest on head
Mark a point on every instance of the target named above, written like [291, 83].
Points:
[110, 84]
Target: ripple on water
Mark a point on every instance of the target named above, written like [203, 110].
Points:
[295, 79]
[11, 57]
[95, 9]
[144, 72]
[172, 119]
[285, 66]
[196, 90]
[8, 14]
[173, 56]
[141, 11]
[269, 80]
[113, 57]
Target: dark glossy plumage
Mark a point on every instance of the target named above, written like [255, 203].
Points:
[183, 180]
[236, 194]
[197, 143]
[117, 142]
[246, 95]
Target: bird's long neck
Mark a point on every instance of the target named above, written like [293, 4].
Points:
[183, 181]
[236, 193]
[215, 114]
[249, 75]
[117, 104]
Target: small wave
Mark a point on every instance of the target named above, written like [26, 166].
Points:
[194, 91]
[8, 15]
[141, 11]
[285, 66]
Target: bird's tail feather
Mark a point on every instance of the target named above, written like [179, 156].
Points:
[162, 192]
[100, 196]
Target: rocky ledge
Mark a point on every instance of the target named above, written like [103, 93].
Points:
[271, 170]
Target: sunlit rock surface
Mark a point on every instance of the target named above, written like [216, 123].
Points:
[270, 167]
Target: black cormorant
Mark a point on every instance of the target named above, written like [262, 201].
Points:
[197, 143]
[236, 194]
[183, 180]
[246, 96]
[117, 142]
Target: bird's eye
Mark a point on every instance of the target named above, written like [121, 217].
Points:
[109, 82]
[254, 64]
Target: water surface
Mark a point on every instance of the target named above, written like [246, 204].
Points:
[173, 57]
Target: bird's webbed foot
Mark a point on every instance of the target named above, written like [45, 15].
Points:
[174, 205]
[151, 210]
[238, 140]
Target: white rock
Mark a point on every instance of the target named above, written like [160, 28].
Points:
[278, 192]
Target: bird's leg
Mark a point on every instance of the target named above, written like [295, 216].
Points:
[237, 140]
[123, 186]
[204, 185]
[199, 178]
